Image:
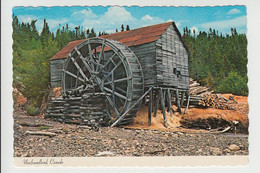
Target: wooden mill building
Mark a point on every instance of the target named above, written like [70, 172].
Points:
[159, 48]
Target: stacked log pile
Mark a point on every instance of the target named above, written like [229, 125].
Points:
[201, 96]
[88, 109]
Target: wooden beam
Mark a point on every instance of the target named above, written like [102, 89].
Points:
[131, 107]
[178, 100]
[157, 98]
[169, 101]
[188, 102]
[163, 107]
[73, 75]
[150, 107]
[182, 98]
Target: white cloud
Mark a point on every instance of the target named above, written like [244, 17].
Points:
[54, 23]
[82, 15]
[26, 18]
[114, 17]
[234, 11]
[223, 24]
[178, 24]
[147, 17]
[194, 28]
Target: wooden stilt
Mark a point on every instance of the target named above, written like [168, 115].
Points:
[169, 101]
[157, 98]
[188, 101]
[150, 107]
[163, 107]
[182, 98]
[178, 100]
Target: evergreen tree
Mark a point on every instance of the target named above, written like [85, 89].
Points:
[214, 56]
[122, 28]
[127, 28]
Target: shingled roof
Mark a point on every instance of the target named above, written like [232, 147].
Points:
[129, 38]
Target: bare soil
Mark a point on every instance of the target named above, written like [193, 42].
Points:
[195, 117]
[138, 139]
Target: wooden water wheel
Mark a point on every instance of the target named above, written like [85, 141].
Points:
[109, 67]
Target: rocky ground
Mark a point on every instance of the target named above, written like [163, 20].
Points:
[68, 140]
[35, 136]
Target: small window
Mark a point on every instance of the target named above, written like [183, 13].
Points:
[178, 73]
[174, 71]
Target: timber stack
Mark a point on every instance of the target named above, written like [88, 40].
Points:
[201, 96]
[87, 109]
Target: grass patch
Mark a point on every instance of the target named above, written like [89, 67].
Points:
[44, 127]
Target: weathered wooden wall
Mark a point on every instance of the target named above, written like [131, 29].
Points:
[171, 60]
[147, 57]
[56, 67]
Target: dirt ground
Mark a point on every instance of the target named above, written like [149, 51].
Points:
[138, 139]
[196, 115]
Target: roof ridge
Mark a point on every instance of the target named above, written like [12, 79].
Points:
[145, 27]
[130, 38]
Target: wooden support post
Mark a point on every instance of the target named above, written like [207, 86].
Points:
[169, 101]
[182, 98]
[163, 107]
[131, 107]
[188, 101]
[150, 107]
[157, 98]
[178, 100]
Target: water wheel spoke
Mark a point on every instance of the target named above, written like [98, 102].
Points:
[73, 75]
[86, 64]
[113, 62]
[78, 67]
[118, 80]
[92, 56]
[113, 105]
[112, 71]
[121, 90]
[101, 52]
[96, 63]
[115, 93]
[76, 84]
[107, 63]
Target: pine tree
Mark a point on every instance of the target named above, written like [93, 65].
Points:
[127, 28]
[122, 28]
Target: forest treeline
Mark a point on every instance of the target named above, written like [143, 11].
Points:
[218, 61]
[215, 60]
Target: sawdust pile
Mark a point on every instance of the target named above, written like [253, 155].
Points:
[239, 114]
[141, 120]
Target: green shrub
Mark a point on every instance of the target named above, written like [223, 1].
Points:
[44, 127]
[31, 110]
[233, 83]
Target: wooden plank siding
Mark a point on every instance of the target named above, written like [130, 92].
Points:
[171, 60]
[147, 57]
[56, 67]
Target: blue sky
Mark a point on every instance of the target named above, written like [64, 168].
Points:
[221, 18]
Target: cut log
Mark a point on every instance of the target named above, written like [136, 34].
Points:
[40, 133]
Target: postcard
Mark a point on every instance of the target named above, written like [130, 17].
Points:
[118, 85]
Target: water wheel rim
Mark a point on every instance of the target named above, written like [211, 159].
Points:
[119, 51]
